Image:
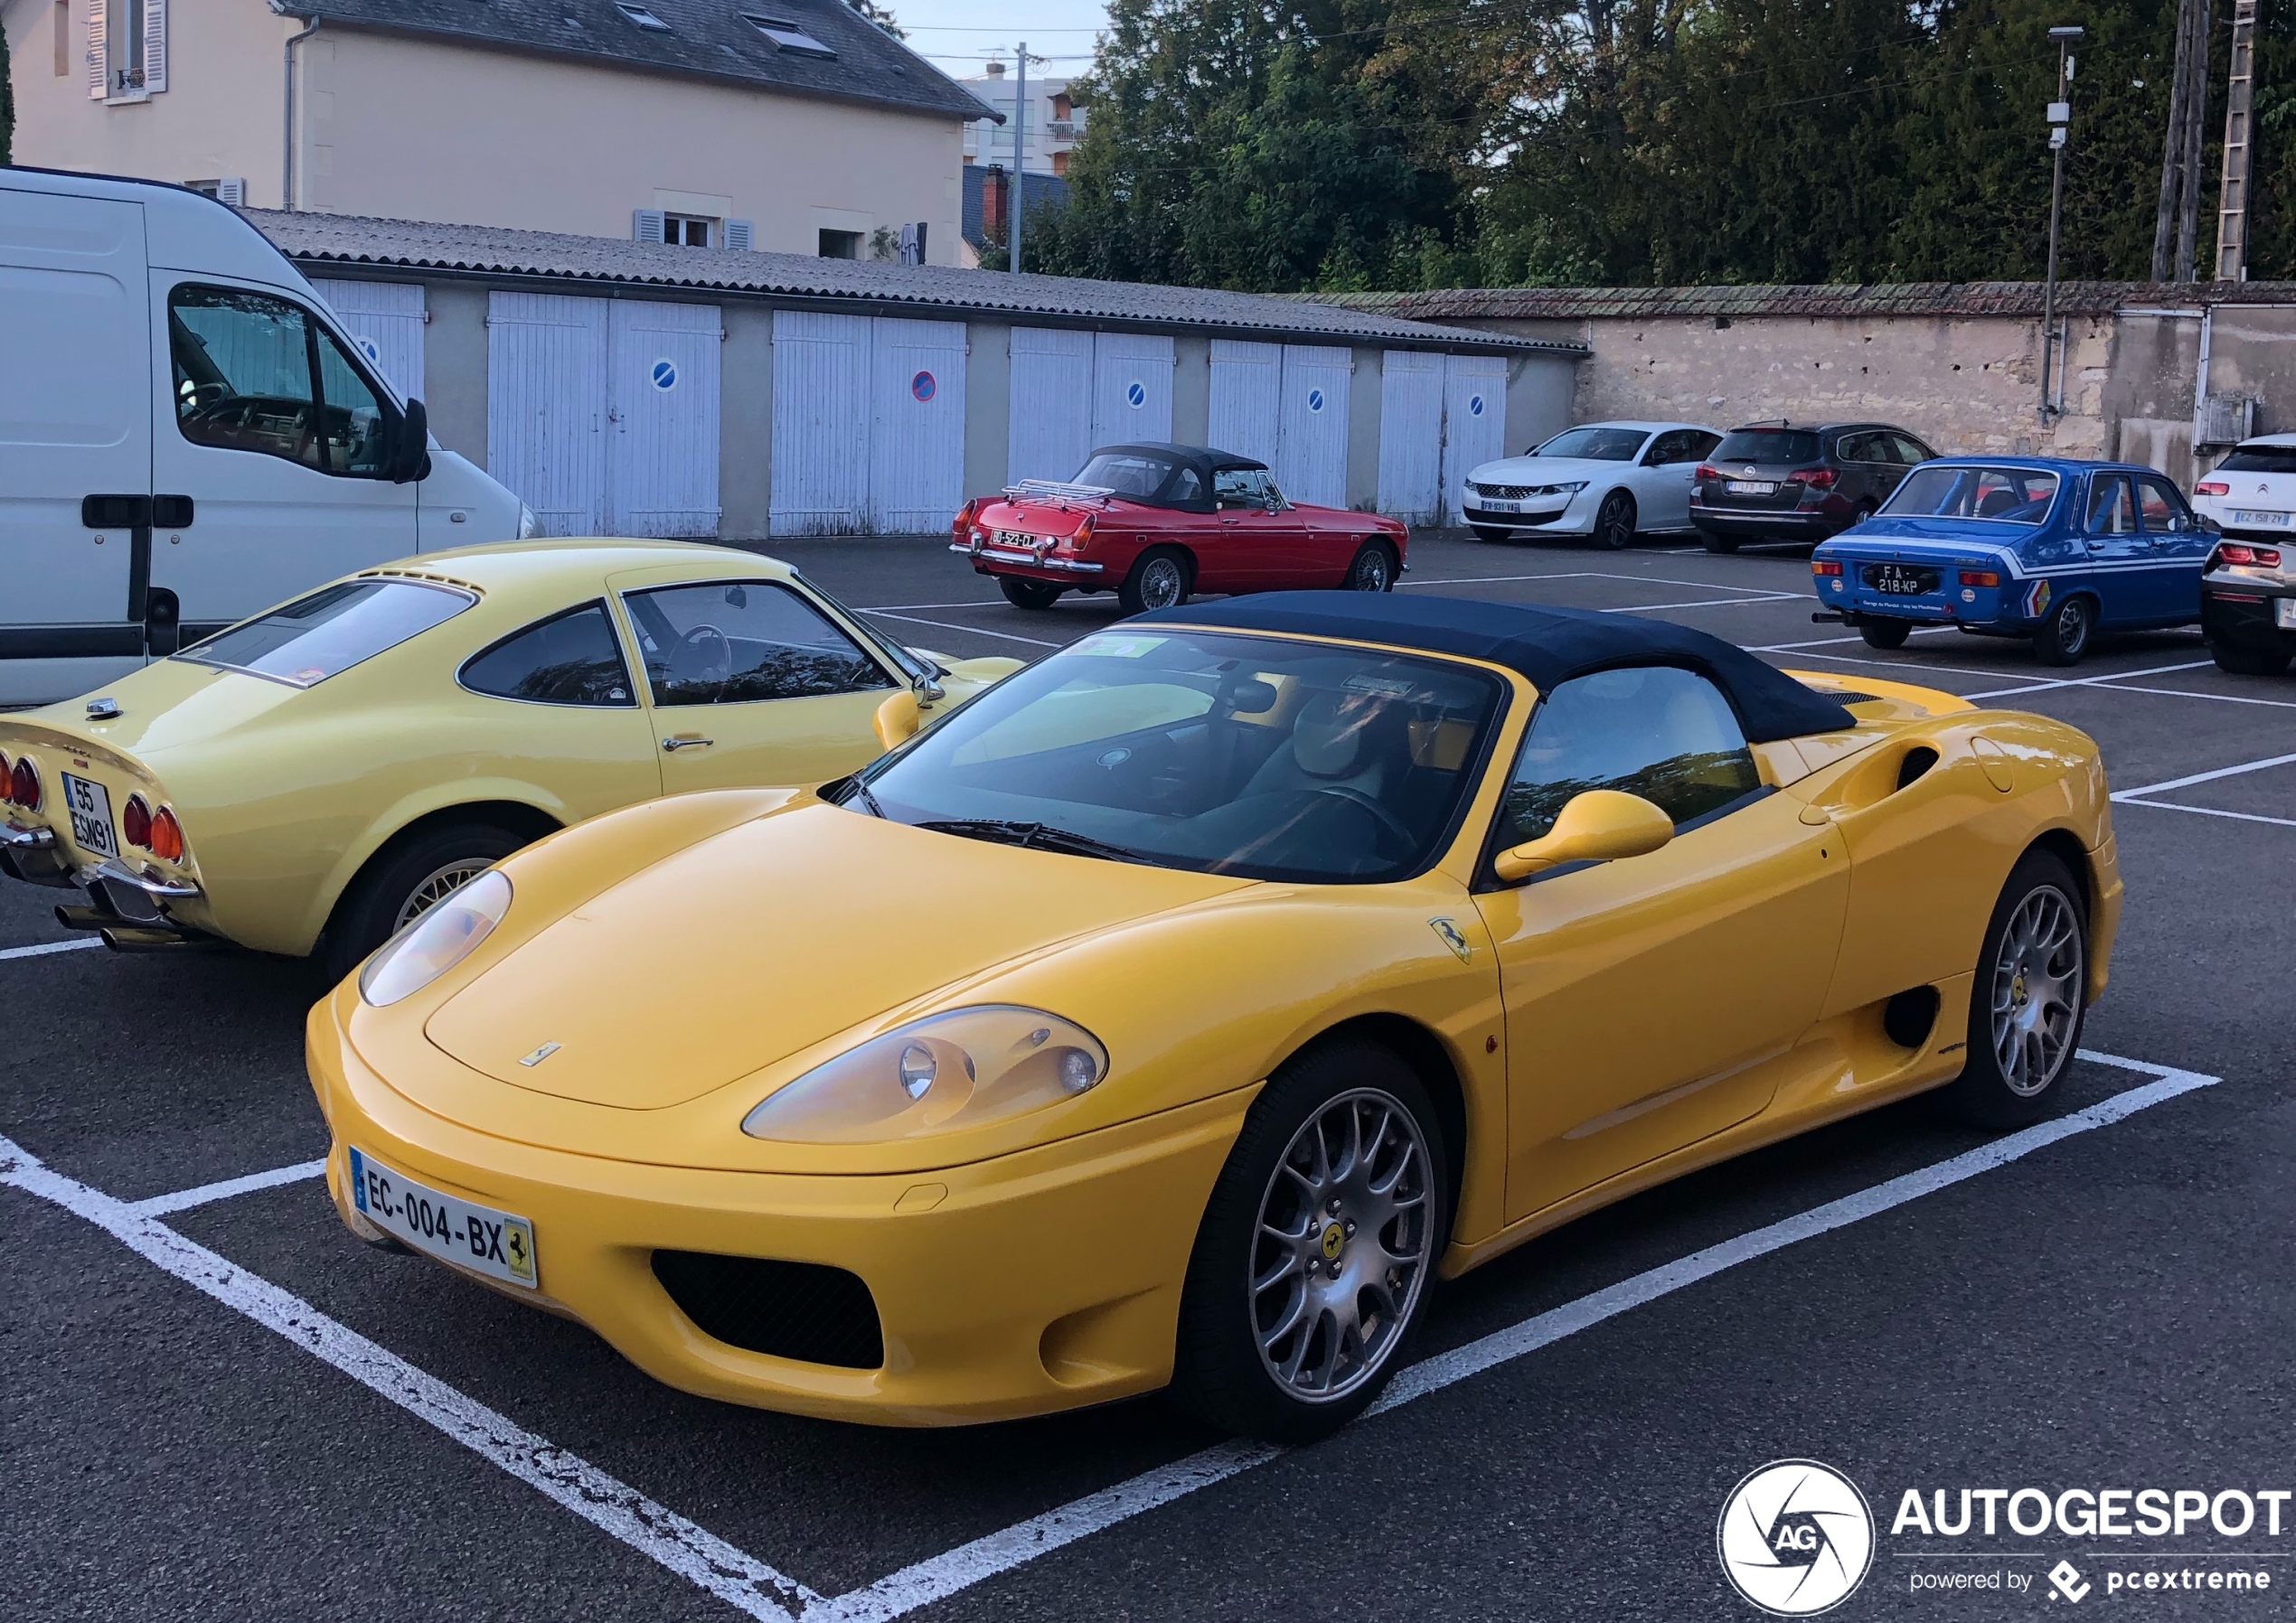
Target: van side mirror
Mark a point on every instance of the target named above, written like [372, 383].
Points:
[897, 720]
[1599, 825]
[411, 457]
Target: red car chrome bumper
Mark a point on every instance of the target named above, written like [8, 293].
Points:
[982, 557]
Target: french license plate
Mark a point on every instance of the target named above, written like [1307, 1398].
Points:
[1502, 506]
[2250, 519]
[476, 1237]
[1901, 580]
[90, 808]
[1015, 537]
[1751, 487]
[2284, 613]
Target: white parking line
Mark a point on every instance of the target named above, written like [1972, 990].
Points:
[969, 630]
[1664, 580]
[1646, 609]
[944, 1575]
[613, 1507]
[46, 947]
[888, 608]
[183, 1200]
[2141, 796]
[2088, 682]
[1918, 631]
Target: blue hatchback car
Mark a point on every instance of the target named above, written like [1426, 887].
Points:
[2045, 548]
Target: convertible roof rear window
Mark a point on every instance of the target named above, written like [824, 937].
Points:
[331, 630]
[1140, 475]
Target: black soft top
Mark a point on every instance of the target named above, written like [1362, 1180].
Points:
[1548, 646]
[1203, 459]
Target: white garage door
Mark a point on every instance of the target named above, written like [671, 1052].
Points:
[1411, 435]
[916, 427]
[1247, 396]
[1131, 388]
[546, 407]
[820, 423]
[661, 404]
[385, 320]
[1474, 422]
[1310, 454]
[1051, 430]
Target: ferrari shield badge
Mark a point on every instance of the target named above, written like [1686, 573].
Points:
[1449, 933]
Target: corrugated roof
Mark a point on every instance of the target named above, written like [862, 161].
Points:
[326, 243]
[2015, 299]
[706, 38]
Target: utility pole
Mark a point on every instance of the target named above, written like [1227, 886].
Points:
[2232, 196]
[2060, 115]
[2204, 20]
[2173, 178]
[1020, 146]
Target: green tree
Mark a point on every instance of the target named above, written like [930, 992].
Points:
[7, 98]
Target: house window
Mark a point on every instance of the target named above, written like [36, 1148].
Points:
[689, 230]
[641, 16]
[841, 245]
[1061, 164]
[126, 48]
[787, 35]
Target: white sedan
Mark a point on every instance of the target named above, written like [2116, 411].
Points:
[1610, 481]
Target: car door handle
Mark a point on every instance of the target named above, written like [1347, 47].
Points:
[686, 741]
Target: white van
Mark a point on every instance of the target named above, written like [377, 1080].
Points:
[186, 434]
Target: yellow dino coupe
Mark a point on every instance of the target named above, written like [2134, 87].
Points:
[316, 777]
[1177, 1010]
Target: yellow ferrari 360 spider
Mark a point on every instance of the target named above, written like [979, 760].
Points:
[316, 777]
[1177, 1010]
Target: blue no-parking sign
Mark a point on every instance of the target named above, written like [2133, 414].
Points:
[1136, 392]
[665, 375]
[923, 385]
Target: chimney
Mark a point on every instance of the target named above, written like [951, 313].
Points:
[994, 201]
[997, 69]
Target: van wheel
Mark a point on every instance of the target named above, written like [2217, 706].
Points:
[1159, 580]
[400, 885]
[1312, 1266]
[2065, 635]
[1028, 594]
[1885, 634]
[2031, 992]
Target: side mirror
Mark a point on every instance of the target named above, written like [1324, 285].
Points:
[897, 720]
[1600, 825]
[411, 457]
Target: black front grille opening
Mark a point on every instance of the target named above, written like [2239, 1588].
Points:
[1918, 760]
[806, 1311]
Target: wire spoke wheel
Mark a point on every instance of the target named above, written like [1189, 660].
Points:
[440, 883]
[1370, 571]
[1162, 582]
[1340, 1251]
[2037, 987]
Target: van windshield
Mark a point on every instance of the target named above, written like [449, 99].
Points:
[331, 630]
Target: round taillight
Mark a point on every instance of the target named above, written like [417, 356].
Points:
[23, 785]
[167, 836]
[7, 790]
[135, 823]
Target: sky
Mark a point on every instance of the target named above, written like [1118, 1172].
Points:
[960, 35]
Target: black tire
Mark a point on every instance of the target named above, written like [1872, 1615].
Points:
[379, 899]
[1717, 543]
[2066, 635]
[1885, 634]
[1373, 570]
[1219, 1372]
[1865, 510]
[2051, 983]
[1028, 594]
[1151, 584]
[1615, 522]
[1492, 532]
[2245, 658]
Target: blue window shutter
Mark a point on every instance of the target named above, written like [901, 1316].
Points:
[647, 225]
[742, 234]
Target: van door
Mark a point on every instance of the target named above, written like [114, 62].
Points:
[75, 380]
[281, 440]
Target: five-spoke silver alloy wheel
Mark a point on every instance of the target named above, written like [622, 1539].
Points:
[437, 886]
[2037, 974]
[1162, 582]
[1340, 1251]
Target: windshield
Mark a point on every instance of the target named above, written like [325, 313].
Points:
[1595, 445]
[1767, 444]
[331, 630]
[1257, 757]
[2006, 495]
[1126, 473]
[2260, 459]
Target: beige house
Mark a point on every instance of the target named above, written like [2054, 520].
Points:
[793, 125]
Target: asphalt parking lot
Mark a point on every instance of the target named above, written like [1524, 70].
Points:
[219, 1405]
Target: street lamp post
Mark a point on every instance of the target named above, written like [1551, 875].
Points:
[2060, 115]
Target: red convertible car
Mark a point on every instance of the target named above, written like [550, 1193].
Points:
[1153, 523]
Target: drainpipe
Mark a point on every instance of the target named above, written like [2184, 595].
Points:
[287, 145]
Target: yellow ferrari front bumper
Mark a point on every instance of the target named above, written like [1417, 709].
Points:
[1036, 1281]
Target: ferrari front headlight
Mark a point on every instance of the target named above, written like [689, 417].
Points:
[436, 942]
[939, 1075]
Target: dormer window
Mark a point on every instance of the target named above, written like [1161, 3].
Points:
[641, 16]
[788, 36]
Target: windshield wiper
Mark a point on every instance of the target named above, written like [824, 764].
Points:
[1042, 837]
[854, 786]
